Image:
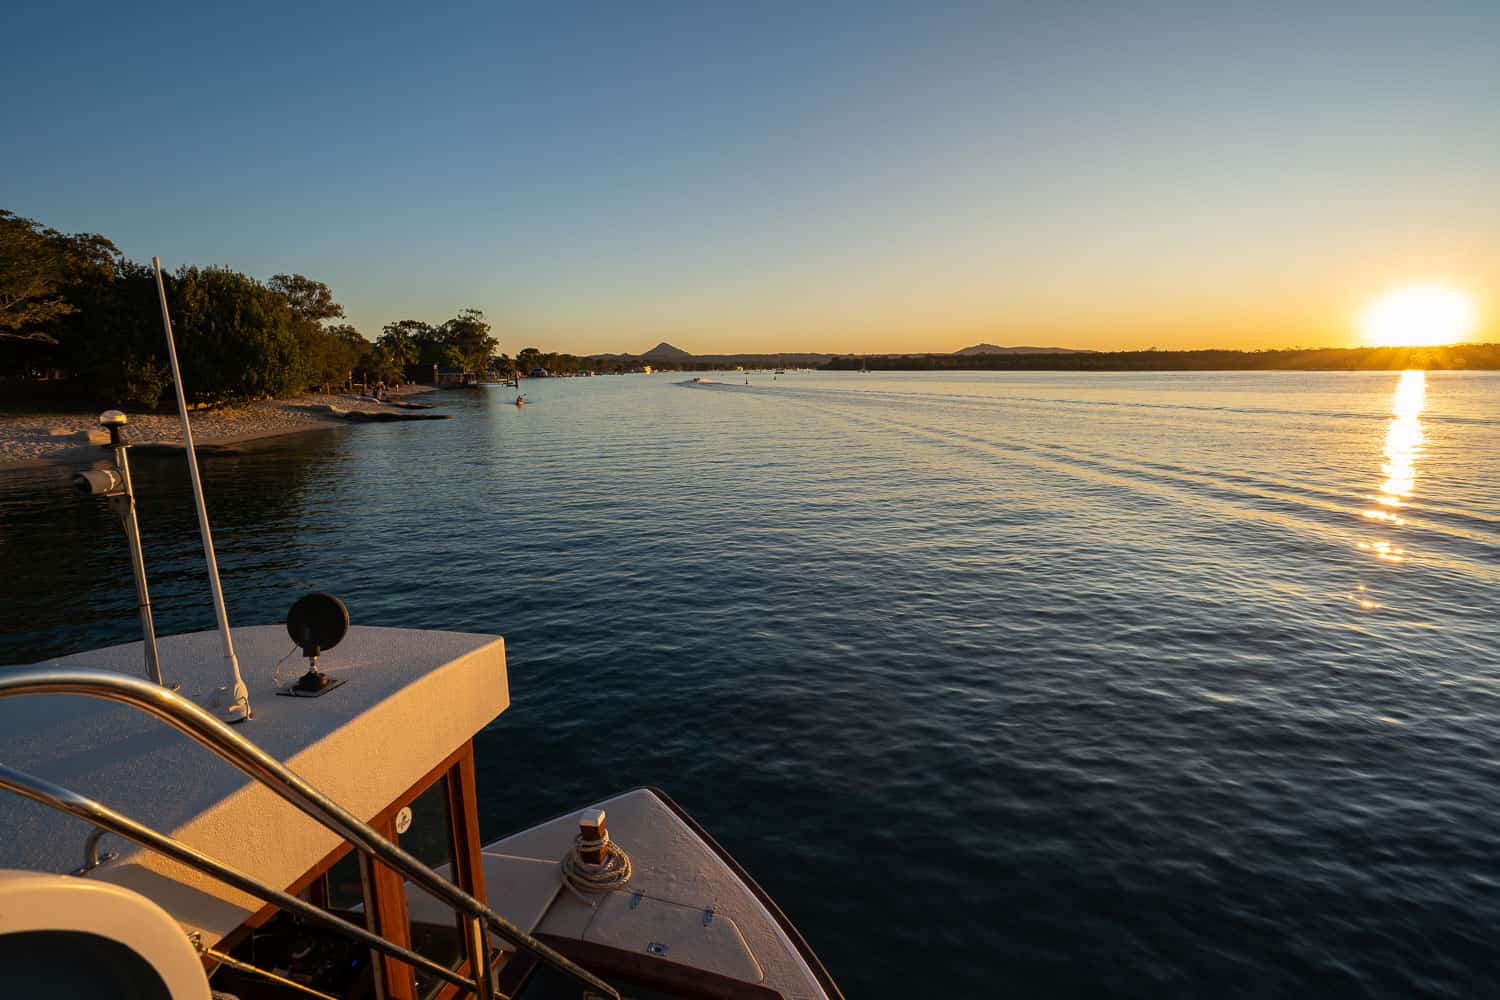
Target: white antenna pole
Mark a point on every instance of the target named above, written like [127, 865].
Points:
[232, 701]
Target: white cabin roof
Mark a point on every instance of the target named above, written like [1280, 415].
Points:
[412, 697]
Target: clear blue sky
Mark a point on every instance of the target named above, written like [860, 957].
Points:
[782, 176]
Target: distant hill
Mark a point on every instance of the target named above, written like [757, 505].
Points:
[969, 352]
[669, 352]
[1451, 357]
[766, 360]
[666, 352]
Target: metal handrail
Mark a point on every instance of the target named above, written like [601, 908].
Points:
[108, 820]
[91, 857]
[201, 727]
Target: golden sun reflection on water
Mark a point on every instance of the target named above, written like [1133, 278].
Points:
[1403, 446]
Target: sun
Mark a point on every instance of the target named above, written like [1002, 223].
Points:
[1418, 316]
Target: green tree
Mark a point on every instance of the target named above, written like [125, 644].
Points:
[399, 343]
[378, 364]
[528, 359]
[113, 340]
[329, 354]
[37, 265]
[309, 299]
[427, 340]
[236, 338]
[468, 333]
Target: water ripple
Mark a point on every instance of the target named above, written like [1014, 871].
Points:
[1103, 678]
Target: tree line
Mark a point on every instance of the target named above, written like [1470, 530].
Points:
[1451, 356]
[529, 359]
[73, 307]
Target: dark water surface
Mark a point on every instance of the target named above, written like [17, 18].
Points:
[1001, 684]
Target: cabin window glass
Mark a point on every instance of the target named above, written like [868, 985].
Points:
[430, 834]
[435, 930]
[346, 890]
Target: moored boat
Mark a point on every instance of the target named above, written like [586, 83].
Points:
[327, 844]
[336, 813]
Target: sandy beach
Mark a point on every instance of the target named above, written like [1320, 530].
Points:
[39, 439]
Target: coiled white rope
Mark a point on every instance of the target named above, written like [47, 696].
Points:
[582, 877]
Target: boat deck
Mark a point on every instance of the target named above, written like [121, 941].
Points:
[410, 698]
[686, 902]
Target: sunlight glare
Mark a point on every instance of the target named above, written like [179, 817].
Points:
[1418, 316]
[1403, 447]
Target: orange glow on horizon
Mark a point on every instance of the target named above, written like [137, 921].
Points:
[1419, 316]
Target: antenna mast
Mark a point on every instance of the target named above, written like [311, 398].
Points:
[232, 701]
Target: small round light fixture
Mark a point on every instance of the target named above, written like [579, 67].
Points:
[317, 622]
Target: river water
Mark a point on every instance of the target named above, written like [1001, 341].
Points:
[1029, 684]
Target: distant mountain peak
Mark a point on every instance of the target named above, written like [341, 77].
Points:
[996, 349]
[667, 351]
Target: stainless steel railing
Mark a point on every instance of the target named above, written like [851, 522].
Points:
[224, 742]
[105, 818]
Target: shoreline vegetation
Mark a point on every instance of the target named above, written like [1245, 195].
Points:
[1483, 357]
[80, 331]
[81, 323]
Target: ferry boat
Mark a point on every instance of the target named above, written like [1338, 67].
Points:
[329, 846]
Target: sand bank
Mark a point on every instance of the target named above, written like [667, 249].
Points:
[41, 439]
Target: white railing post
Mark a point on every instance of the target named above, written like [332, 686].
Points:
[232, 701]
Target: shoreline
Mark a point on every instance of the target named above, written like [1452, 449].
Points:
[47, 439]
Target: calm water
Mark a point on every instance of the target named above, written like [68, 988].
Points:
[1001, 684]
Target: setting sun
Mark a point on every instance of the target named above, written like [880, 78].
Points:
[1418, 316]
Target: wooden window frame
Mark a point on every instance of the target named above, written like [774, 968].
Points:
[468, 867]
[385, 902]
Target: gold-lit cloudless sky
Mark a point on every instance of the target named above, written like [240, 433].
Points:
[836, 178]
